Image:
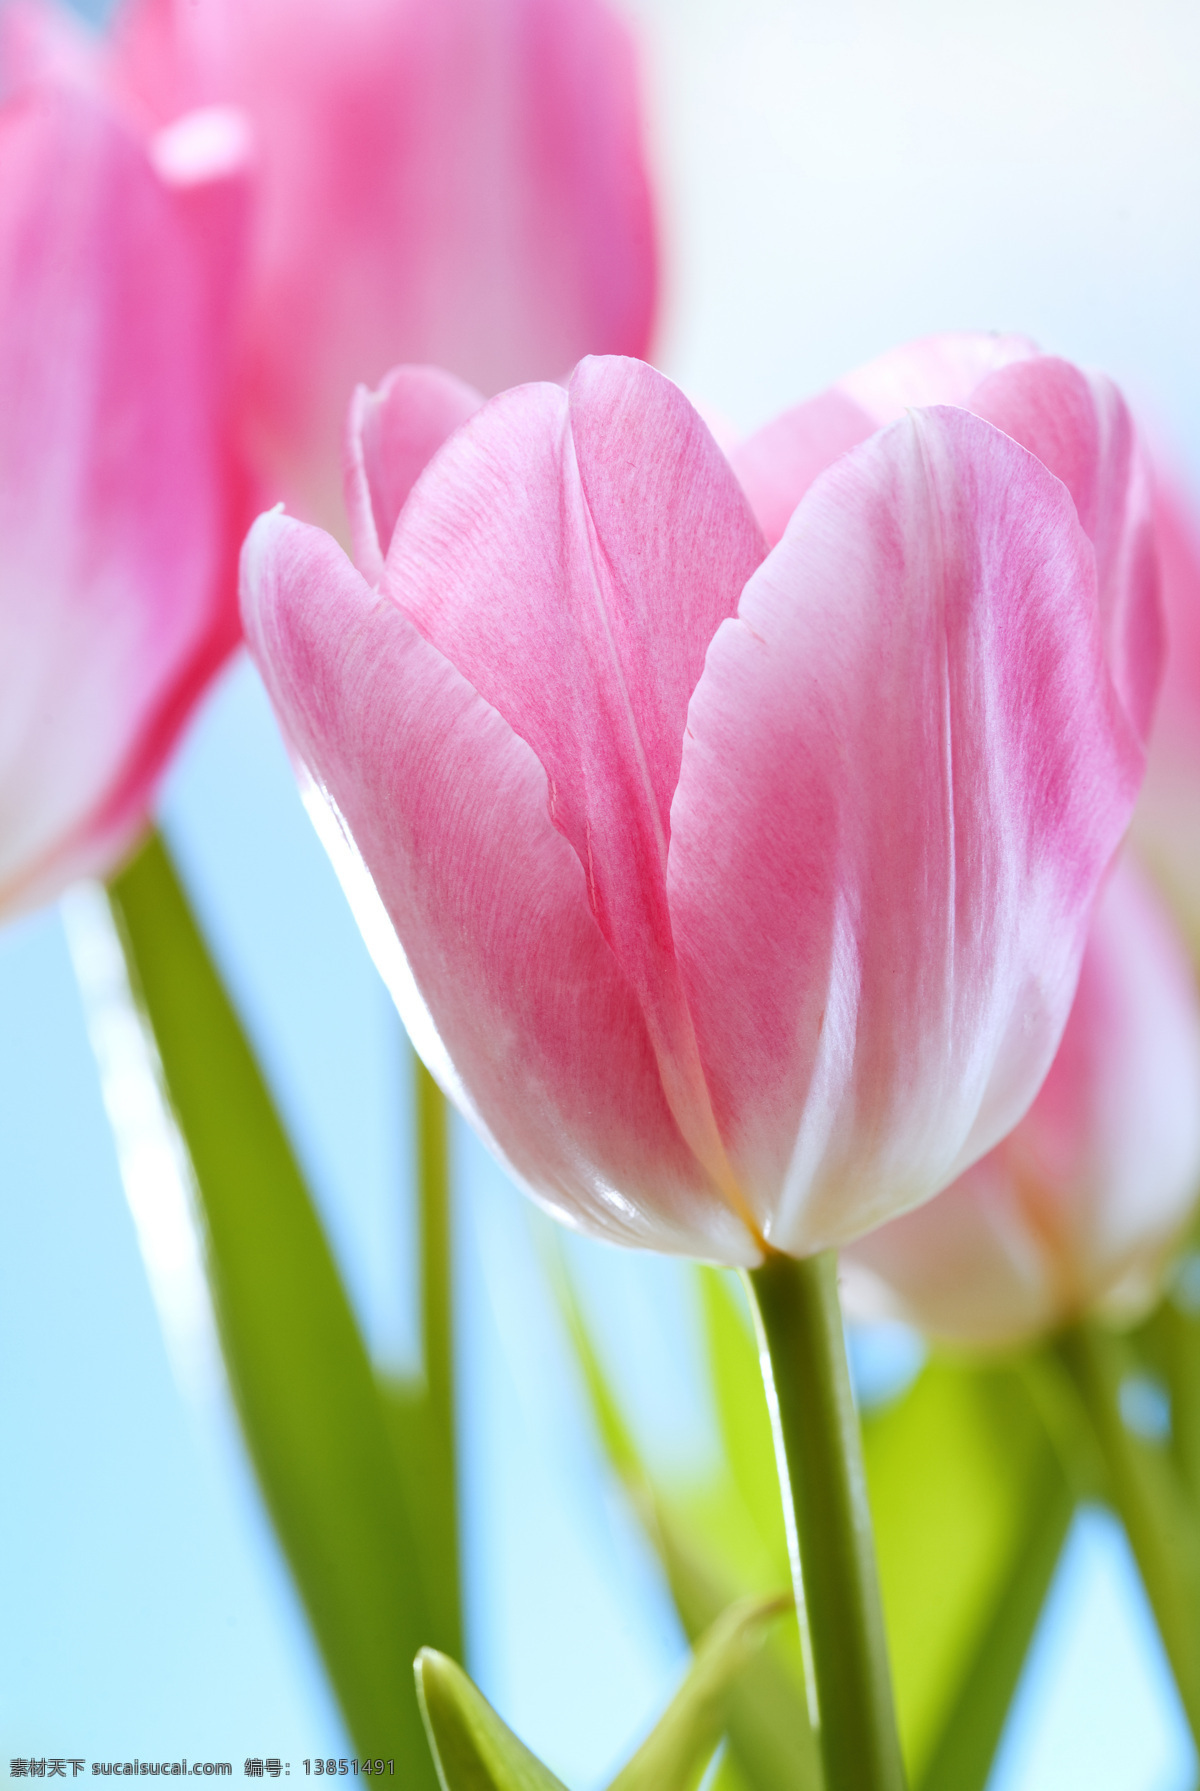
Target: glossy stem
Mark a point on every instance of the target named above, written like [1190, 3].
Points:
[1150, 1500]
[818, 1447]
[437, 1290]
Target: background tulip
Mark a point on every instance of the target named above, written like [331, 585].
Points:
[744, 891]
[1078, 1206]
[1167, 822]
[120, 507]
[459, 181]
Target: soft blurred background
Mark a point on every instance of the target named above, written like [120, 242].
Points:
[835, 176]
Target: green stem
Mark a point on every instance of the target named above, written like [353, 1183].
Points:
[1150, 1501]
[437, 1312]
[818, 1447]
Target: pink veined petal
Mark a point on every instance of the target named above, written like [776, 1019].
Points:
[1079, 1204]
[904, 773]
[1078, 425]
[777, 465]
[449, 810]
[391, 436]
[572, 554]
[116, 498]
[458, 182]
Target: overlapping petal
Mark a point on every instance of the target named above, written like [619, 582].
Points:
[904, 774]
[1080, 1203]
[118, 499]
[449, 807]
[391, 436]
[572, 553]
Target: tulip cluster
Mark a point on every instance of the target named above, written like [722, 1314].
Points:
[748, 819]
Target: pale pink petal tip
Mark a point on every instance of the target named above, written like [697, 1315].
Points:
[391, 435]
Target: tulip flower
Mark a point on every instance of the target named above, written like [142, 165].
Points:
[120, 506]
[742, 879]
[458, 181]
[1078, 1207]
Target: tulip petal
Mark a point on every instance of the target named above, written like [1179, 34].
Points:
[1078, 425]
[1079, 1204]
[933, 370]
[449, 808]
[905, 771]
[391, 436]
[113, 506]
[777, 465]
[572, 554]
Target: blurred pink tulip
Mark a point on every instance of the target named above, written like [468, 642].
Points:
[459, 181]
[1079, 1206]
[742, 892]
[1167, 821]
[120, 508]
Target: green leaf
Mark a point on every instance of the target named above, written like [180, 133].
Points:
[473, 1748]
[970, 1734]
[677, 1750]
[770, 1736]
[958, 1470]
[741, 1404]
[311, 1411]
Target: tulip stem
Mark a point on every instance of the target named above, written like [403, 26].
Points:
[818, 1448]
[1144, 1488]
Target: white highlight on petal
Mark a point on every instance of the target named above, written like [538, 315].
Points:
[210, 143]
[155, 1168]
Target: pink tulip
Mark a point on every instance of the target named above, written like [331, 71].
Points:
[742, 892]
[120, 509]
[1079, 1206]
[460, 181]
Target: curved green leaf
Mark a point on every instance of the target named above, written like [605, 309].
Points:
[311, 1411]
[473, 1748]
[677, 1750]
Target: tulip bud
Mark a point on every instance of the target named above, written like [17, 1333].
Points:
[741, 871]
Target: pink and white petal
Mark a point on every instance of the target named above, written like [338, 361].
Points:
[776, 465]
[905, 772]
[572, 554]
[934, 370]
[113, 506]
[448, 807]
[1078, 425]
[1079, 1205]
[391, 436]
